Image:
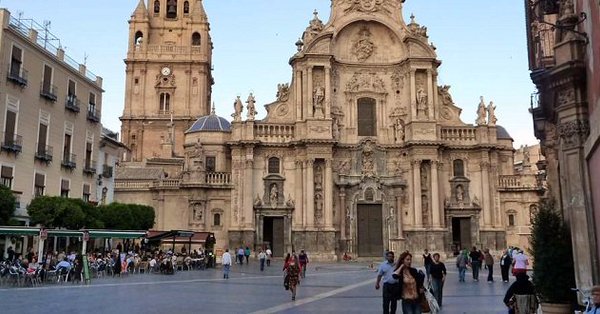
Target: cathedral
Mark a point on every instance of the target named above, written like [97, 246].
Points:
[361, 152]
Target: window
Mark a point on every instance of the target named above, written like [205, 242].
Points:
[139, 38]
[511, 220]
[47, 87]
[367, 121]
[67, 148]
[10, 129]
[196, 39]
[156, 6]
[217, 219]
[273, 165]
[459, 168]
[39, 184]
[171, 9]
[71, 95]
[86, 193]
[42, 139]
[88, 156]
[92, 101]
[165, 103]
[64, 187]
[211, 163]
[186, 7]
[16, 62]
[6, 176]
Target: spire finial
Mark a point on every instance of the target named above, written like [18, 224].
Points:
[212, 111]
[412, 18]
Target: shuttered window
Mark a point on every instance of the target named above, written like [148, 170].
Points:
[64, 188]
[7, 176]
[39, 184]
[86, 192]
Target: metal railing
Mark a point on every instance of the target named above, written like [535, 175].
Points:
[17, 75]
[93, 115]
[44, 153]
[89, 166]
[69, 161]
[72, 103]
[48, 91]
[107, 171]
[12, 142]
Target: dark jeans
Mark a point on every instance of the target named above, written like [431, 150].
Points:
[437, 287]
[247, 257]
[504, 270]
[411, 307]
[390, 298]
[269, 262]
[241, 259]
[262, 264]
[476, 266]
[490, 272]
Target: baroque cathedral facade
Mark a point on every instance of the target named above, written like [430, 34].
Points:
[361, 152]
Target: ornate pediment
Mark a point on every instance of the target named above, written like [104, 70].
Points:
[366, 6]
[369, 82]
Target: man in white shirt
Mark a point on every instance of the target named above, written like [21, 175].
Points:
[520, 263]
[261, 257]
[226, 260]
[269, 254]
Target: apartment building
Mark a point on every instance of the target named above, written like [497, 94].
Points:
[50, 117]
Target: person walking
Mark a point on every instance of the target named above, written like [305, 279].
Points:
[303, 260]
[505, 263]
[520, 297]
[240, 255]
[226, 260]
[427, 261]
[411, 284]
[438, 277]
[269, 255]
[475, 263]
[489, 264]
[262, 256]
[292, 269]
[391, 287]
[520, 263]
[462, 260]
[247, 255]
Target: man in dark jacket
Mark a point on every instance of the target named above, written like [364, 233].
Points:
[520, 287]
[475, 263]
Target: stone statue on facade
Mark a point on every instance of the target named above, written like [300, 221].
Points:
[492, 114]
[315, 26]
[399, 131]
[283, 92]
[319, 178]
[460, 194]
[238, 107]
[422, 102]
[318, 97]
[318, 208]
[445, 95]
[336, 129]
[481, 112]
[257, 201]
[251, 107]
[273, 194]
[290, 201]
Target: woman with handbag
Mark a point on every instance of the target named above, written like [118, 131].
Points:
[411, 285]
[292, 278]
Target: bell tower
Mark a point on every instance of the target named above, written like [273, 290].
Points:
[168, 76]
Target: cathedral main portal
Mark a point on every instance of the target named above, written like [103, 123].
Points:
[273, 235]
[370, 230]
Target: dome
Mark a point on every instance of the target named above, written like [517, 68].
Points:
[502, 134]
[210, 123]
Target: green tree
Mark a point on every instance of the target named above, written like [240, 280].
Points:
[43, 210]
[57, 212]
[8, 204]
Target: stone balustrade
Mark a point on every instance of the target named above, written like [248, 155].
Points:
[517, 181]
[218, 178]
[274, 132]
[168, 49]
[167, 183]
[458, 134]
[133, 184]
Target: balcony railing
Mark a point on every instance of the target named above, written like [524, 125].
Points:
[133, 184]
[518, 182]
[12, 143]
[72, 103]
[218, 178]
[458, 134]
[274, 132]
[17, 75]
[48, 91]
[44, 153]
[89, 167]
[166, 183]
[107, 171]
[69, 161]
[168, 49]
[93, 115]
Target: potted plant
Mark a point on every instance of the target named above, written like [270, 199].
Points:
[551, 248]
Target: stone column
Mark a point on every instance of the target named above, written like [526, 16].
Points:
[418, 219]
[485, 187]
[435, 197]
[328, 202]
[305, 96]
[430, 93]
[248, 189]
[298, 195]
[413, 93]
[310, 193]
[298, 95]
[399, 218]
[327, 104]
[309, 94]
[342, 211]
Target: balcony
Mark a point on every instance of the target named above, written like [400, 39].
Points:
[44, 153]
[12, 143]
[69, 161]
[274, 133]
[218, 178]
[107, 171]
[459, 134]
[93, 115]
[48, 91]
[527, 182]
[89, 167]
[18, 75]
[72, 103]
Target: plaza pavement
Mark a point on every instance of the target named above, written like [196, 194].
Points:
[328, 288]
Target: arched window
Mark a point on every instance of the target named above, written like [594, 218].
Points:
[139, 37]
[367, 120]
[165, 103]
[196, 39]
[511, 220]
[217, 219]
[186, 7]
[273, 165]
[156, 6]
[459, 168]
[172, 9]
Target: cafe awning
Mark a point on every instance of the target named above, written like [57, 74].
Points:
[19, 231]
[118, 234]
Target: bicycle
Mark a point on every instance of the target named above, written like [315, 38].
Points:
[587, 300]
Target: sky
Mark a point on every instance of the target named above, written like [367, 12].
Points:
[481, 43]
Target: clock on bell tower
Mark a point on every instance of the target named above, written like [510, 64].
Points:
[168, 76]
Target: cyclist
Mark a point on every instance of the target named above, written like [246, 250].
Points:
[303, 260]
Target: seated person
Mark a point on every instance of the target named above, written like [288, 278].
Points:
[64, 264]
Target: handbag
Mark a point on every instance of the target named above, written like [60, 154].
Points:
[433, 305]
[424, 304]
[286, 282]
